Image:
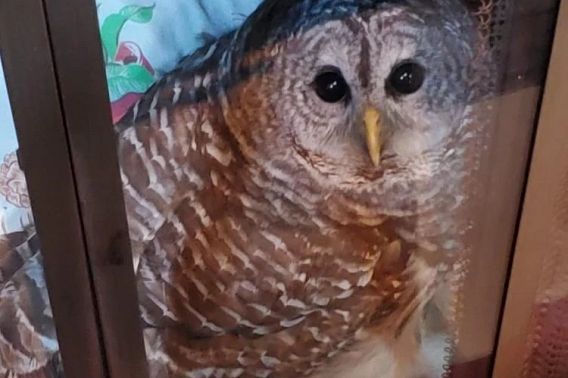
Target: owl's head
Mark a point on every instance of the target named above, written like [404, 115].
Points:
[356, 95]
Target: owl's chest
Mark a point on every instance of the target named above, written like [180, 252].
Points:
[217, 252]
[230, 274]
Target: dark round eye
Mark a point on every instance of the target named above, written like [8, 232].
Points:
[406, 78]
[331, 87]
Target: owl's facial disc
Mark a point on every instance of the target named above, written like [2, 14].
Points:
[331, 87]
[357, 98]
[405, 79]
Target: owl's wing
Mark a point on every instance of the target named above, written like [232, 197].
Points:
[28, 344]
[163, 93]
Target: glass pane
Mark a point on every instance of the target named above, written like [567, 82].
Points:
[534, 337]
[333, 189]
[28, 343]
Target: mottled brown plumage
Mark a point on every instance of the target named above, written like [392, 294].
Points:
[28, 346]
[267, 243]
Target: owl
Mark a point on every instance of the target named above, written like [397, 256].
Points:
[295, 190]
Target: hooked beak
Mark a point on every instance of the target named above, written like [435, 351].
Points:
[373, 126]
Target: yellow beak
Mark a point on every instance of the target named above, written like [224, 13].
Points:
[373, 128]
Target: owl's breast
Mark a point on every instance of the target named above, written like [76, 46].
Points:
[299, 295]
[232, 261]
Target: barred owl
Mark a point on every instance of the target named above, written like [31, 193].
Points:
[294, 190]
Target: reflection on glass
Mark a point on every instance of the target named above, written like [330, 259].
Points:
[325, 192]
[28, 344]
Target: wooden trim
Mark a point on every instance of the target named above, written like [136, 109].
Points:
[79, 64]
[537, 243]
[502, 178]
[34, 96]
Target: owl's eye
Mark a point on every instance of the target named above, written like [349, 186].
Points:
[406, 78]
[330, 86]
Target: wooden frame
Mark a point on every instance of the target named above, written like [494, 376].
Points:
[522, 66]
[62, 114]
[34, 97]
[92, 143]
[540, 242]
